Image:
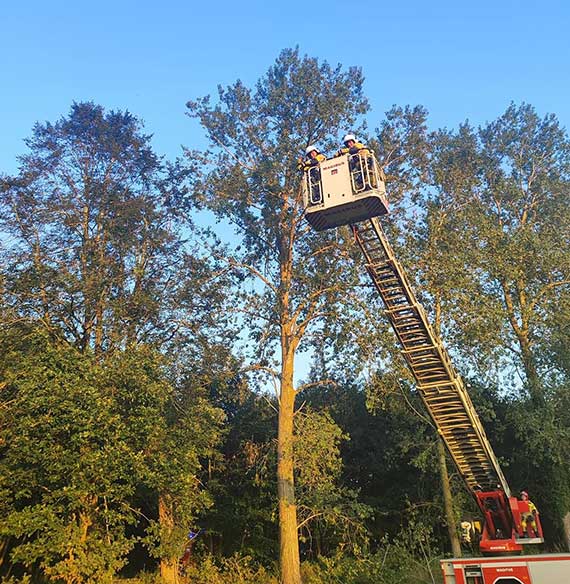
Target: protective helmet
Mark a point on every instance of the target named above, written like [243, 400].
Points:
[524, 495]
[310, 148]
[348, 137]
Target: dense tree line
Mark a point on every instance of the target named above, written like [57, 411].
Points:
[153, 314]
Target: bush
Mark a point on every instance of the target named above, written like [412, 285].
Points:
[234, 570]
[408, 559]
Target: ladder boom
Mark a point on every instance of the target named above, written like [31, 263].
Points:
[440, 386]
[350, 190]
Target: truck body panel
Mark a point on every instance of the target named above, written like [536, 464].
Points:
[535, 569]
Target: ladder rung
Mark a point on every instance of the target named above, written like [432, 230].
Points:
[437, 381]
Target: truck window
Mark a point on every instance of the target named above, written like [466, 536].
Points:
[473, 575]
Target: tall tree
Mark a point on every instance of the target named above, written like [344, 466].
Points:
[253, 184]
[96, 256]
[523, 218]
[79, 438]
[94, 252]
[509, 226]
[493, 241]
[66, 465]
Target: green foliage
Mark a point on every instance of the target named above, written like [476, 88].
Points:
[79, 439]
[241, 479]
[402, 149]
[390, 456]
[26, 579]
[95, 257]
[94, 253]
[409, 558]
[251, 181]
[502, 214]
[485, 241]
[330, 514]
[233, 570]
[67, 467]
[109, 447]
[539, 459]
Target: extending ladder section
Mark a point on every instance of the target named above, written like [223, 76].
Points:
[440, 386]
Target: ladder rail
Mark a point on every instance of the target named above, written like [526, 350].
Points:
[440, 386]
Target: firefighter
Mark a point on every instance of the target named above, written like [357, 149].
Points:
[186, 558]
[528, 518]
[470, 531]
[360, 161]
[352, 146]
[312, 158]
[466, 531]
[310, 166]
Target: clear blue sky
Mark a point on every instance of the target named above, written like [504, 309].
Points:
[459, 59]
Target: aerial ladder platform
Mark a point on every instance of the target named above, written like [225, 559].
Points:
[350, 190]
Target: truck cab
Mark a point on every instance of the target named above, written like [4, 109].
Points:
[343, 190]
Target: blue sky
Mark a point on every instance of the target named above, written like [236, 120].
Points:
[459, 60]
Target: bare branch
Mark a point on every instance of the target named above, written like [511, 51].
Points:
[230, 153]
[271, 405]
[310, 518]
[316, 384]
[236, 264]
[274, 377]
[256, 367]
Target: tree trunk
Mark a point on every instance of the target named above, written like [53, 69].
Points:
[288, 539]
[521, 329]
[168, 565]
[529, 363]
[566, 526]
[448, 500]
[4, 547]
[444, 475]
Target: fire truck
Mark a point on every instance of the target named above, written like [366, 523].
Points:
[350, 190]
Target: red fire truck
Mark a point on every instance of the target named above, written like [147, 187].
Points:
[538, 569]
[350, 190]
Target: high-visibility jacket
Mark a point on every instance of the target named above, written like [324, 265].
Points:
[356, 148]
[529, 517]
[310, 162]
